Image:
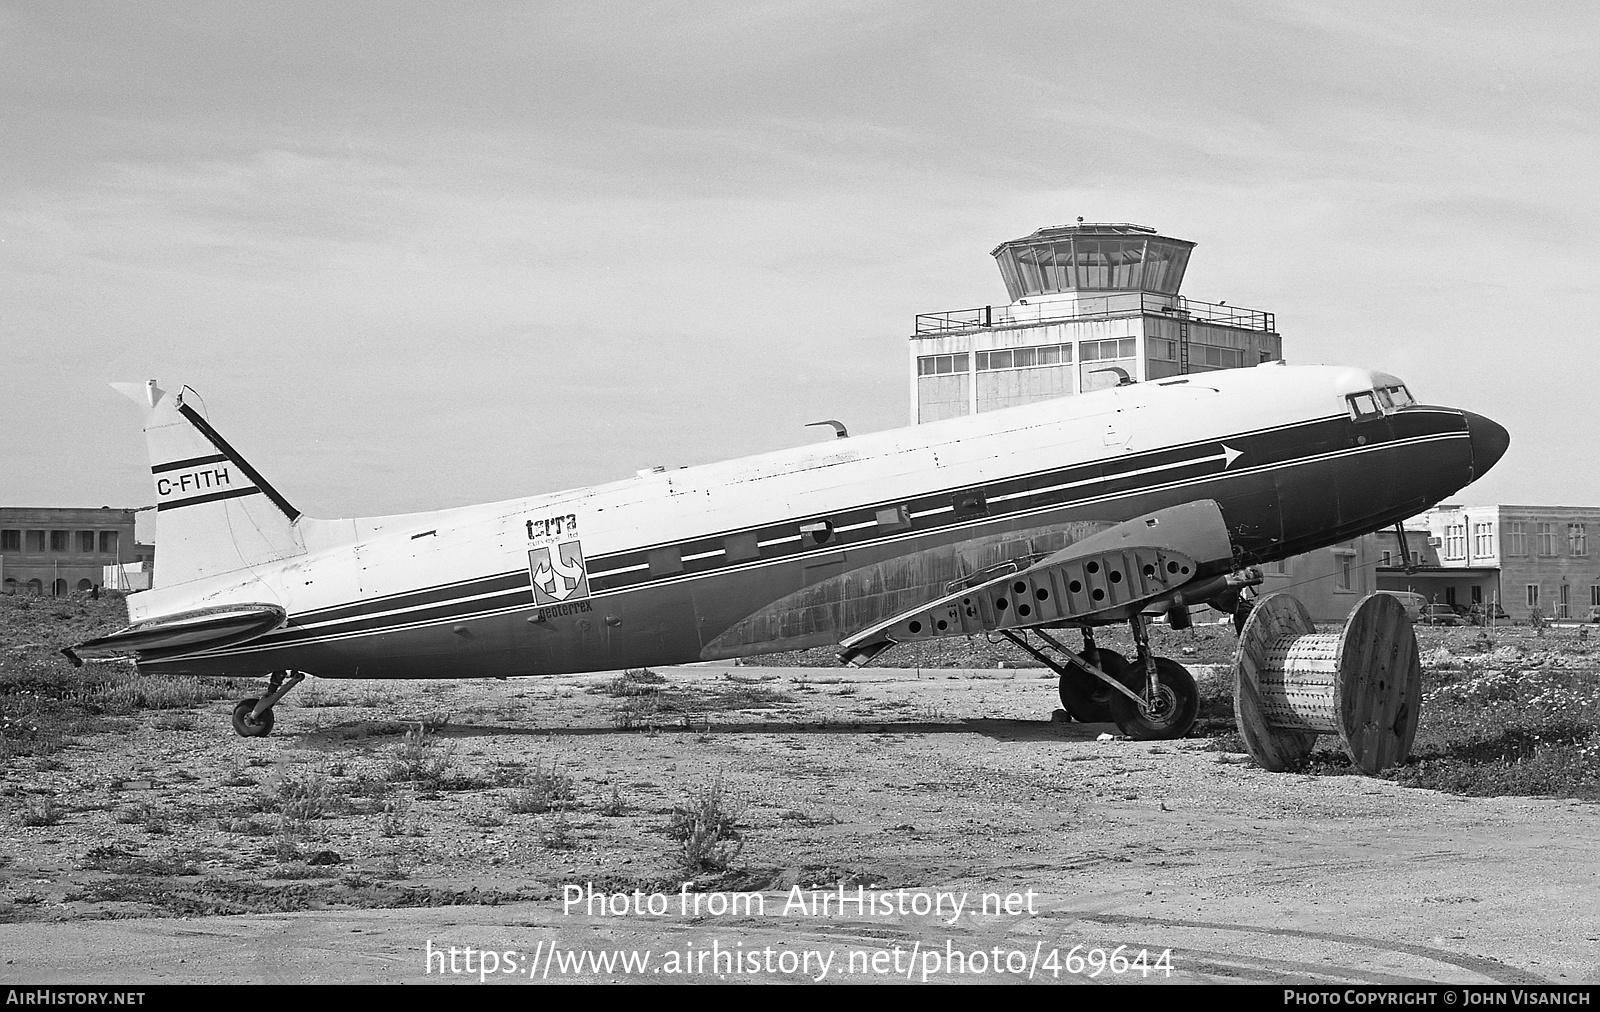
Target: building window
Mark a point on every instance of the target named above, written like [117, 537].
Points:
[86, 542]
[108, 542]
[61, 541]
[1100, 351]
[1024, 358]
[1344, 571]
[1577, 542]
[1546, 537]
[1215, 358]
[1564, 601]
[36, 542]
[1517, 532]
[1533, 595]
[1388, 559]
[940, 365]
[1482, 540]
[1594, 595]
[10, 541]
[1455, 541]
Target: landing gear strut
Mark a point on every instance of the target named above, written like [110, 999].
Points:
[1170, 701]
[1149, 699]
[252, 718]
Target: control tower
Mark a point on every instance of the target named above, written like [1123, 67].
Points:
[1091, 306]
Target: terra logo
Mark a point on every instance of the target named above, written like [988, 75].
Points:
[558, 573]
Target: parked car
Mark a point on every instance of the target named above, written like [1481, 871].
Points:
[1413, 603]
[1439, 614]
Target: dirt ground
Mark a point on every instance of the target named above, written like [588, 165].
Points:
[172, 850]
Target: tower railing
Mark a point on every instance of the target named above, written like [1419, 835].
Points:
[1099, 307]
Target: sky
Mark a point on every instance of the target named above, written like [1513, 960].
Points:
[420, 255]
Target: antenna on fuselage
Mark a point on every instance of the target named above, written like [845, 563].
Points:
[839, 431]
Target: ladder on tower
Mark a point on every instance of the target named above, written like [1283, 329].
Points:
[1183, 338]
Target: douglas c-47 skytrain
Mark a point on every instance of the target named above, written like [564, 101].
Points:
[1075, 513]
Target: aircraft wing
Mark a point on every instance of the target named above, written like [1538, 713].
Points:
[1180, 554]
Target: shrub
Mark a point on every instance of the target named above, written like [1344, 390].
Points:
[705, 828]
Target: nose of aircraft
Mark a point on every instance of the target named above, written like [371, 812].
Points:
[1489, 441]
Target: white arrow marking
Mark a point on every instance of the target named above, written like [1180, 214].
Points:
[1228, 456]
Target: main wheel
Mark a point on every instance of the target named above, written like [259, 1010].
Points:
[1086, 697]
[1172, 712]
[247, 728]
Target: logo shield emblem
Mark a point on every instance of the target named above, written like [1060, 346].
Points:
[558, 573]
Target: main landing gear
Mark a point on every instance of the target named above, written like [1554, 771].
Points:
[252, 718]
[1149, 699]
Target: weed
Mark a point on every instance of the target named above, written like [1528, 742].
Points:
[40, 811]
[705, 828]
[299, 798]
[558, 834]
[542, 791]
[635, 682]
[808, 820]
[395, 821]
[615, 803]
[418, 758]
[175, 722]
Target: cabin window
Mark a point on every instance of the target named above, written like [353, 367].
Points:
[666, 561]
[895, 518]
[970, 504]
[741, 547]
[1363, 406]
[818, 532]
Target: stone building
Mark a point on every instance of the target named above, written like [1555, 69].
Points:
[54, 552]
[1520, 558]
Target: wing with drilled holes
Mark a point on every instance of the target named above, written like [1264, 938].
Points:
[1103, 578]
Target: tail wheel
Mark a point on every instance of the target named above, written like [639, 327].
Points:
[1086, 697]
[247, 728]
[1170, 714]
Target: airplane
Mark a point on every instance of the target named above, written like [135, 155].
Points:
[1109, 507]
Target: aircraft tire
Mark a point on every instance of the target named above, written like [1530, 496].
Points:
[247, 728]
[1180, 702]
[1086, 697]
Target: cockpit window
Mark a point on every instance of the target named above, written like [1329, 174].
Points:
[1384, 400]
[1400, 396]
[1364, 405]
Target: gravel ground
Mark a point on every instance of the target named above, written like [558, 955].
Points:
[333, 851]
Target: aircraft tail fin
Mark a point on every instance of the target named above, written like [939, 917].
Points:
[214, 512]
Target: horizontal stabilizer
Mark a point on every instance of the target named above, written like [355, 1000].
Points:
[1108, 576]
[203, 628]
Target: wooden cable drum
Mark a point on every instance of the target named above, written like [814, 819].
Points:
[1291, 683]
